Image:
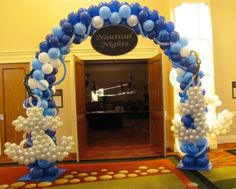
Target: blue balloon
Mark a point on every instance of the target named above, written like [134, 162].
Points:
[51, 171]
[72, 18]
[37, 54]
[204, 93]
[36, 64]
[55, 70]
[103, 4]
[135, 8]
[85, 18]
[51, 78]
[200, 74]
[192, 68]
[154, 15]
[160, 24]
[62, 21]
[183, 86]
[43, 46]
[36, 172]
[114, 6]
[184, 62]
[188, 161]
[77, 39]
[125, 11]
[48, 37]
[179, 79]
[148, 25]
[115, 18]
[50, 133]
[57, 31]
[43, 164]
[80, 29]
[183, 41]
[152, 35]
[202, 161]
[169, 26]
[67, 28]
[188, 77]
[65, 40]
[65, 50]
[93, 10]
[175, 47]
[175, 57]
[54, 42]
[105, 12]
[143, 16]
[174, 36]
[54, 53]
[201, 142]
[51, 104]
[44, 103]
[38, 92]
[163, 36]
[38, 75]
[188, 121]
[192, 59]
[167, 52]
[48, 112]
[47, 94]
[164, 46]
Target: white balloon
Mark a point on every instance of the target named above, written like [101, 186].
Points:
[44, 57]
[47, 68]
[56, 63]
[32, 83]
[132, 21]
[97, 22]
[45, 84]
[180, 72]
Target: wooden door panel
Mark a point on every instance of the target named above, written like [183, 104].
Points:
[157, 138]
[80, 106]
[12, 95]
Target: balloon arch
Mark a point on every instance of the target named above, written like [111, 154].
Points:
[40, 150]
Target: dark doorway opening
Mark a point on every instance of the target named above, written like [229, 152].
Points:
[116, 112]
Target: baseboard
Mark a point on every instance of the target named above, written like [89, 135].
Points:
[226, 139]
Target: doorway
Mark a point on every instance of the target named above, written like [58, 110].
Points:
[12, 94]
[120, 109]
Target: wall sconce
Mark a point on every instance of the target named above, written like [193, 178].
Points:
[234, 89]
[58, 98]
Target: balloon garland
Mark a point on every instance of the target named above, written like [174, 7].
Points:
[40, 150]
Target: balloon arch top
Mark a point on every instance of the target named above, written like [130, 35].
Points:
[40, 149]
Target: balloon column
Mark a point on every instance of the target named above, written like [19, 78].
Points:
[40, 150]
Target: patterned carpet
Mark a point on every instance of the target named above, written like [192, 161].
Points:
[136, 174]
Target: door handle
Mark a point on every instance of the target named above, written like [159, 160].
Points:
[1, 117]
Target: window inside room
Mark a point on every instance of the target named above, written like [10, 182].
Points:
[193, 20]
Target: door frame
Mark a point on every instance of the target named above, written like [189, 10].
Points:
[159, 57]
[2, 123]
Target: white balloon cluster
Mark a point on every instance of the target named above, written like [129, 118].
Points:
[218, 124]
[194, 106]
[98, 21]
[47, 68]
[43, 146]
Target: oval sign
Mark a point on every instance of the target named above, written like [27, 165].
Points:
[114, 40]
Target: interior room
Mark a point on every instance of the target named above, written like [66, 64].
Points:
[117, 94]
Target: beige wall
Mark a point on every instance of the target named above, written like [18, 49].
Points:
[26, 23]
[224, 40]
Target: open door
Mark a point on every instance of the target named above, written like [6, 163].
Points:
[80, 106]
[156, 104]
